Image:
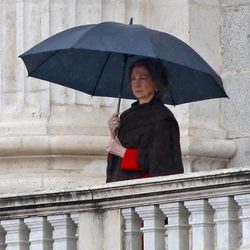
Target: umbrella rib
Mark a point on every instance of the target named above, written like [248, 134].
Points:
[100, 74]
[181, 64]
[153, 50]
[45, 60]
[172, 97]
[125, 60]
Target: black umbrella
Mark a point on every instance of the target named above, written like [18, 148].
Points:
[95, 59]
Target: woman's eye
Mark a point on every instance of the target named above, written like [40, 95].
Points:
[141, 78]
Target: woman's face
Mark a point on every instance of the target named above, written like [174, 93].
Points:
[143, 86]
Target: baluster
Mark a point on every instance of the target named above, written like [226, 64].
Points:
[202, 224]
[226, 220]
[177, 228]
[2, 238]
[244, 202]
[17, 237]
[132, 229]
[64, 232]
[40, 233]
[76, 218]
[153, 229]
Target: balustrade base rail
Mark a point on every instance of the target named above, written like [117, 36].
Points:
[198, 211]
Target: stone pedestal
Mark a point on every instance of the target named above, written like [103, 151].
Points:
[100, 229]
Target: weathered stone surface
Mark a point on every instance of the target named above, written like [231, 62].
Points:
[157, 190]
[236, 115]
[204, 33]
[169, 16]
[104, 224]
[242, 158]
[235, 36]
[31, 109]
[235, 46]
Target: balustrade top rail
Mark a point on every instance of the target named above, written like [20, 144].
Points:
[199, 185]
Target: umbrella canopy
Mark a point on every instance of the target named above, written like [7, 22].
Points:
[95, 59]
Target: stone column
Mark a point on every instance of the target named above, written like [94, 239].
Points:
[11, 91]
[244, 203]
[202, 224]
[36, 116]
[17, 234]
[226, 221]
[177, 227]
[153, 227]
[40, 233]
[64, 232]
[132, 231]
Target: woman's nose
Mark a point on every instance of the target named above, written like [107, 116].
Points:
[135, 82]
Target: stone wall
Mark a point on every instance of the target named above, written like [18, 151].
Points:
[52, 136]
[235, 69]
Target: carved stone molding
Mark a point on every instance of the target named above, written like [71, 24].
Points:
[203, 154]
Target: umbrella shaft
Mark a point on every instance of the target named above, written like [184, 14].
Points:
[122, 81]
[118, 104]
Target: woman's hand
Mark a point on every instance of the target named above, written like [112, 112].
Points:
[114, 123]
[115, 147]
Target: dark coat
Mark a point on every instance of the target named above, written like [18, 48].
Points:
[153, 130]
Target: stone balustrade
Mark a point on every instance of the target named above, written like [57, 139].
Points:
[205, 211]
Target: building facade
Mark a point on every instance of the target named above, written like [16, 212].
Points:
[53, 138]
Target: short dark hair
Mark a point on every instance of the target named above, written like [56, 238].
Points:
[157, 72]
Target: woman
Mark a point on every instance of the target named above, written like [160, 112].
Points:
[145, 138]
